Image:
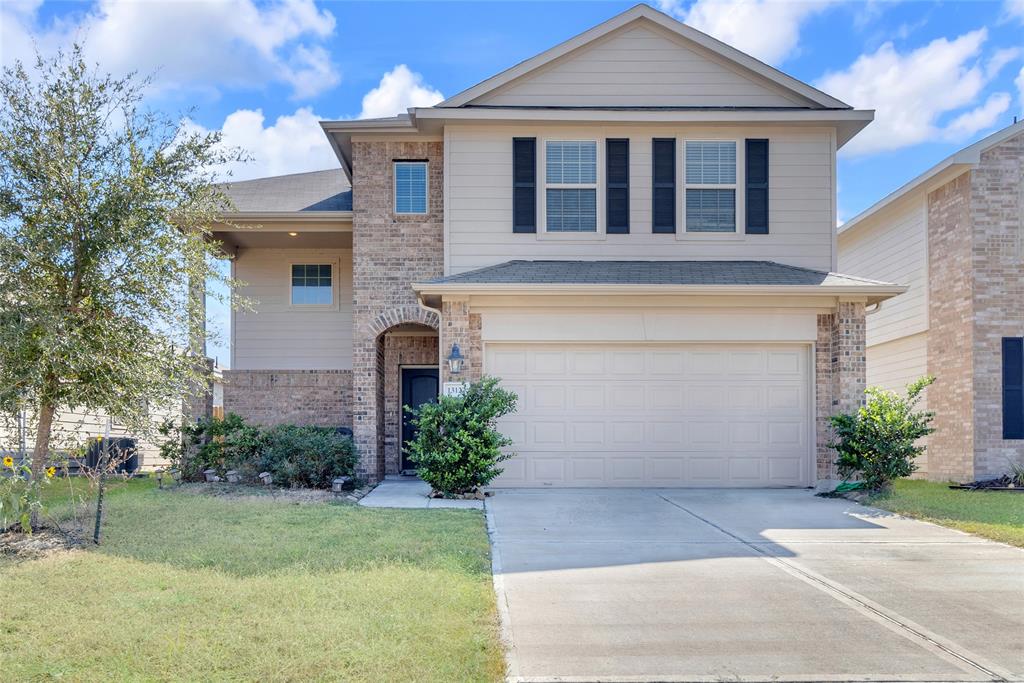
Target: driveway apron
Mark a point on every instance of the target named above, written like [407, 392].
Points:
[747, 585]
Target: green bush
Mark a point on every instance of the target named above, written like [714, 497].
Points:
[458, 448]
[304, 456]
[20, 495]
[294, 456]
[880, 441]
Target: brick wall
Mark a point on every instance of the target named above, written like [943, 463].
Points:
[303, 397]
[400, 350]
[459, 326]
[840, 370]
[997, 219]
[389, 252]
[950, 347]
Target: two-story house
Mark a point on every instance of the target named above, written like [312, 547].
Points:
[634, 230]
[955, 236]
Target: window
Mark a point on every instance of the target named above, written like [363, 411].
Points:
[311, 285]
[571, 189]
[710, 186]
[410, 187]
[1013, 387]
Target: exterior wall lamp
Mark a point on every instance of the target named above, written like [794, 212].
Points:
[455, 360]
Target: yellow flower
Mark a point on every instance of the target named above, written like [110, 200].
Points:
[50, 471]
[8, 461]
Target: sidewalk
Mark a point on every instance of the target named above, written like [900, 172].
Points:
[410, 492]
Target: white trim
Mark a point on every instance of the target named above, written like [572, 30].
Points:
[542, 186]
[645, 13]
[394, 186]
[739, 196]
[334, 263]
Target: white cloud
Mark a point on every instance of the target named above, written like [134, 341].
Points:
[912, 91]
[980, 118]
[766, 29]
[1014, 9]
[293, 143]
[236, 43]
[398, 90]
[1019, 82]
[1000, 59]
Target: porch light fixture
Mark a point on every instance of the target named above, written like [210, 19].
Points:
[293, 234]
[455, 360]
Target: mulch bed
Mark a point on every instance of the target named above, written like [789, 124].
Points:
[1003, 483]
[41, 543]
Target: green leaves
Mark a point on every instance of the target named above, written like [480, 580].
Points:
[880, 441]
[457, 448]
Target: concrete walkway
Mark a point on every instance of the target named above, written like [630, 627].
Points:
[410, 492]
[700, 585]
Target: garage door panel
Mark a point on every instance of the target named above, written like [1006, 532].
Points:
[656, 415]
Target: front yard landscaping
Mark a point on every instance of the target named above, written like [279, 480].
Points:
[200, 587]
[995, 515]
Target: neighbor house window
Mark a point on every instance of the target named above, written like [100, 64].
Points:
[571, 186]
[710, 179]
[410, 187]
[312, 285]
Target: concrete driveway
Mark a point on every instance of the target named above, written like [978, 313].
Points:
[681, 585]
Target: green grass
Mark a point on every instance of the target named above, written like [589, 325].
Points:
[192, 587]
[995, 515]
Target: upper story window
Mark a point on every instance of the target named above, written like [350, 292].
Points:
[710, 180]
[571, 186]
[312, 284]
[410, 187]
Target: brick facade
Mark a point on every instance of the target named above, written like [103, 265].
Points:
[400, 350]
[304, 397]
[976, 290]
[460, 326]
[840, 367]
[389, 252]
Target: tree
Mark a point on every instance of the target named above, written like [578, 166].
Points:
[104, 208]
[880, 441]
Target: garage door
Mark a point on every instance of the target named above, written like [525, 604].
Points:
[656, 415]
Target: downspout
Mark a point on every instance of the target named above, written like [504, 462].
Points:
[440, 351]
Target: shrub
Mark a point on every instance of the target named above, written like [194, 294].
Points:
[210, 443]
[20, 498]
[458, 448]
[304, 456]
[879, 441]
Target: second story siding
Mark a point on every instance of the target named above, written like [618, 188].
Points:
[801, 198]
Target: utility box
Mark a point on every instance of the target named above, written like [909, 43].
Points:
[123, 451]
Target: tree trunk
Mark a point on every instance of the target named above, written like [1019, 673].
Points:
[42, 448]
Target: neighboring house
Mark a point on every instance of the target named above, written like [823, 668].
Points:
[955, 235]
[635, 230]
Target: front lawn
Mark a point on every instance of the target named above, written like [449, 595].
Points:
[995, 515]
[198, 587]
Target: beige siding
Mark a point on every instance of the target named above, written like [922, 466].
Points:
[641, 66]
[895, 364]
[479, 199]
[279, 336]
[892, 247]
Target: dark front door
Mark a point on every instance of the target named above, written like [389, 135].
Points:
[419, 386]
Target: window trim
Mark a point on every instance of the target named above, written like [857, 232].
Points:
[310, 261]
[543, 186]
[395, 163]
[738, 233]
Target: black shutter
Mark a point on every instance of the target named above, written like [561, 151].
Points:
[617, 186]
[524, 184]
[663, 153]
[757, 187]
[1013, 387]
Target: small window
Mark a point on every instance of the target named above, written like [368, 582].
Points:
[410, 187]
[311, 285]
[571, 186]
[1013, 387]
[710, 186]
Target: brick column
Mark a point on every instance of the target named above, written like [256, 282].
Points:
[839, 375]
[459, 326]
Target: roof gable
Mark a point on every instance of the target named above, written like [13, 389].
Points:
[643, 58]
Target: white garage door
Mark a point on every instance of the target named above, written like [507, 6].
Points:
[656, 415]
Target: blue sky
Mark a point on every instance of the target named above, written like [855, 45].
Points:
[939, 74]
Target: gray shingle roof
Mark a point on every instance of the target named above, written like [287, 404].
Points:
[315, 191]
[653, 273]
